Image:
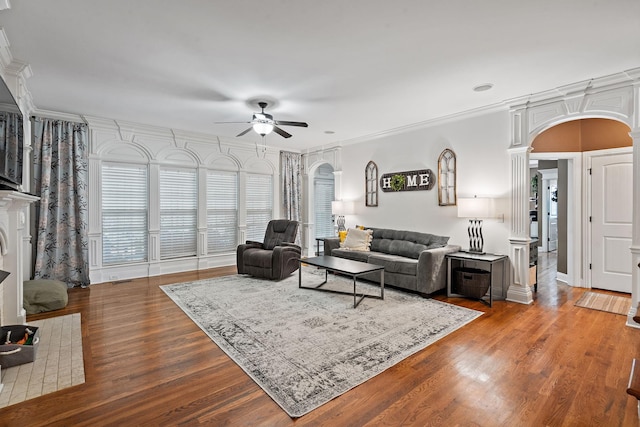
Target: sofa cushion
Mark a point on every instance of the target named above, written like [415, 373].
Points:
[395, 263]
[405, 243]
[349, 254]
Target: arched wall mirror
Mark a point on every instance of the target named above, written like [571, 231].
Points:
[447, 178]
[371, 184]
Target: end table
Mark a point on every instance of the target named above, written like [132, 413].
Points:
[486, 262]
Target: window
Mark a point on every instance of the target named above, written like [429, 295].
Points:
[371, 184]
[259, 205]
[178, 213]
[124, 214]
[323, 186]
[222, 211]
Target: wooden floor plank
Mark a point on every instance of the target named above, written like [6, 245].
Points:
[147, 363]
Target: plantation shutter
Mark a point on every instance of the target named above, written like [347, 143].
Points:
[124, 214]
[178, 213]
[222, 211]
[324, 190]
[259, 205]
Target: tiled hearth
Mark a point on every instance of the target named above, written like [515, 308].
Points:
[58, 364]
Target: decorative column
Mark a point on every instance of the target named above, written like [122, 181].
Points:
[307, 231]
[154, 220]
[519, 289]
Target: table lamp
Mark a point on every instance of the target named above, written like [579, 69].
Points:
[474, 209]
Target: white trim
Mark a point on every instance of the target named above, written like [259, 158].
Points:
[547, 175]
[575, 209]
[57, 115]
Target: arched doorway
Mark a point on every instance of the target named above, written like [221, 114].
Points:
[318, 164]
[611, 97]
[555, 154]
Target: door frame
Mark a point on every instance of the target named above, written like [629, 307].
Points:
[547, 175]
[587, 162]
[575, 208]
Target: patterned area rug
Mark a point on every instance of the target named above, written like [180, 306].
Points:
[605, 302]
[58, 363]
[305, 347]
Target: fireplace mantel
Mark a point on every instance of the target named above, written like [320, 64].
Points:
[15, 253]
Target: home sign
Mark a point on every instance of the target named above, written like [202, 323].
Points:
[408, 181]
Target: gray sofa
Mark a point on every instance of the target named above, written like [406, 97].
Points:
[413, 261]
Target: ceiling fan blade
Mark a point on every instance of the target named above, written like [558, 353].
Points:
[224, 123]
[281, 132]
[244, 132]
[285, 123]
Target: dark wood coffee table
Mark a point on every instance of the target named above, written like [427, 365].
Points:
[342, 266]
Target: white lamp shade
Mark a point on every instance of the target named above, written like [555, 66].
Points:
[476, 207]
[336, 207]
[342, 207]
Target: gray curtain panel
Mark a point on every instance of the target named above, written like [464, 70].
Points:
[60, 175]
[291, 167]
[11, 134]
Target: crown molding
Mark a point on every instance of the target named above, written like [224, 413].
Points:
[56, 115]
[501, 106]
[611, 81]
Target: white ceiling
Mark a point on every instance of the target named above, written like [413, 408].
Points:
[354, 67]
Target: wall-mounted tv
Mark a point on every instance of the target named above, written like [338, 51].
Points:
[11, 141]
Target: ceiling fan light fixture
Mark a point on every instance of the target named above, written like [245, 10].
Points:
[263, 128]
[263, 124]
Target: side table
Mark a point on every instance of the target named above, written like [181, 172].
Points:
[318, 241]
[486, 261]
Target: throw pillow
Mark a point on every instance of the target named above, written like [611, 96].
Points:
[357, 240]
[342, 235]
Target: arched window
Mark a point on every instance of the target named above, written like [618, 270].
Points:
[371, 184]
[447, 178]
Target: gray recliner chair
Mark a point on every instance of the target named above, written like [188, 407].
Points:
[274, 259]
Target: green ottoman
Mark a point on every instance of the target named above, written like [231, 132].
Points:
[44, 295]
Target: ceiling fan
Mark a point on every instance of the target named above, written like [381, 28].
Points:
[263, 123]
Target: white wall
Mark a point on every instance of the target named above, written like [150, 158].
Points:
[480, 144]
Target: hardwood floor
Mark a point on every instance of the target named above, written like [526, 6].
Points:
[549, 363]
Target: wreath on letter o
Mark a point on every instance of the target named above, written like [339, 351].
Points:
[397, 182]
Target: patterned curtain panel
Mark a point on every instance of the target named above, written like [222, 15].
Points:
[60, 163]
[291, 165]
[10, 135]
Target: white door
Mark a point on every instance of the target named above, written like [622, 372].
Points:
[611, 217]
